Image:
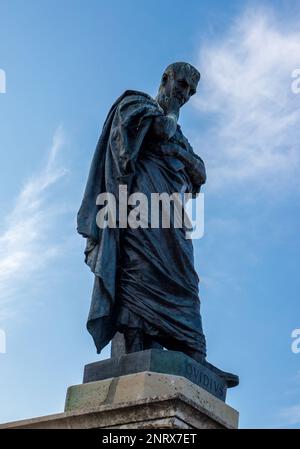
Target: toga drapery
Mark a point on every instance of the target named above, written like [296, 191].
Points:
[144, 277]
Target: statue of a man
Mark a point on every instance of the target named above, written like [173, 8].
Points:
[145, 285]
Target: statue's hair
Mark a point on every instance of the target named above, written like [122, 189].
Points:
[188, 68]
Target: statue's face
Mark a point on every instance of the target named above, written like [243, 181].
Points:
[180, 85]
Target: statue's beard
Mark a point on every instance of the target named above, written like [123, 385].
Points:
[163, 100]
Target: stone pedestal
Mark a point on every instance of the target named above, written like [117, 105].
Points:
[204, 374]
[138, 401]
[153, 389]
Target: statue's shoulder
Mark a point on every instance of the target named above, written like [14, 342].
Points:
[135, 96]
[129, 103]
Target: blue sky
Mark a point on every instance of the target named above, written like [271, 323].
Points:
[65, 63]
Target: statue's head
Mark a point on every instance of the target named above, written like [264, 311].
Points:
[179, 80]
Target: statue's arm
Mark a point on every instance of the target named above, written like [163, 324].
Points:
[193, 163]
[194, 166]
[164, 126]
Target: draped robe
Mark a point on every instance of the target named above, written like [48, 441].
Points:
[144, 277]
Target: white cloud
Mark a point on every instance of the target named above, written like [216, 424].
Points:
[24, 246]
[291, 414]
[253, 130]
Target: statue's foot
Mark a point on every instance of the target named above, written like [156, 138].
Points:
[133, 340]
[196, 355]
[136, 340]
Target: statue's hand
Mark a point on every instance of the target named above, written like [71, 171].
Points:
[172, 106]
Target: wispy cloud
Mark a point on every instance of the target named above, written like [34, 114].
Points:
[291, 414]
[24, 246]
[253, 130]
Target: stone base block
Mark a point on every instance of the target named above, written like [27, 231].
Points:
[144, 400]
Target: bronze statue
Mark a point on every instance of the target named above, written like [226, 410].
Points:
[145, 284]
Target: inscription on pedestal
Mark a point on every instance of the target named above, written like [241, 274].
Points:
[203, 374]
[196, 375]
